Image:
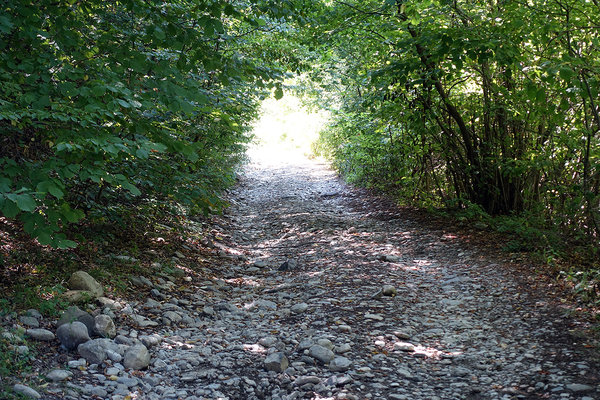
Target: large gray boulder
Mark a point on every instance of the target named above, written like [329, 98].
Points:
[72, 334]
[81, 280]
[92, 351]
[104, 326]
[136, 357]
[73, 314]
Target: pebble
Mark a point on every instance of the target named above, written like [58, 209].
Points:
[389, 290]
[299, 308]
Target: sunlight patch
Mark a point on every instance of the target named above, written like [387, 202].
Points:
[285, 131]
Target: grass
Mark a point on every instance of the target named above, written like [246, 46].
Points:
[13, 364]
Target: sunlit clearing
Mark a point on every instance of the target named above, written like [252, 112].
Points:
[285, 131]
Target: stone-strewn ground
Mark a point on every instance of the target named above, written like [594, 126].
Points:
[324, 292]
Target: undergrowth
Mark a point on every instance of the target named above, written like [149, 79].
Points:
[12, 362]
[569, 257]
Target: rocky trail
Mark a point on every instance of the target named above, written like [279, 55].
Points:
[325, 292]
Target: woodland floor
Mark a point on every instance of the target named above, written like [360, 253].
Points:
[467, 321]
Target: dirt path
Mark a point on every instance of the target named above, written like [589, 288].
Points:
[458, 326]
[322, 292]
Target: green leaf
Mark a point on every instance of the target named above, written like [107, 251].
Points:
[278, 93]
[5, 24]
[159, 33]
[56, 192]
[65, 244]
[23, 201]
[566, 73]
[70, 214]
[10, 209]
[123, 103]
[531, 90]
[44, 237]
[131, 188]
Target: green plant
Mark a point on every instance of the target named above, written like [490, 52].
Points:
[47, 300]
[586, 284]
[11, 362]
[104, 107]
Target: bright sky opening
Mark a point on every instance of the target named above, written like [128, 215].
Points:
[285, 131]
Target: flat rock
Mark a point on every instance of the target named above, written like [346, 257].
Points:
[59, 375]
[142, 321]
[403, 346]
[151, 340]
[321, 353]
[29, 321]
[303, 380]
[26, 391]
[43, 335]
[110, 303]
[375, 317]
[579, 387]
[340, 364]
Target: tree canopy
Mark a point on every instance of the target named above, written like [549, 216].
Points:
[481, 104]
[487, 104]
[105, 105]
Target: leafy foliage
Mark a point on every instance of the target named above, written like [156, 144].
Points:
[108, 105]
[467, 102]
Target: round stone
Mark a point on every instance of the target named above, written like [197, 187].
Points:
[136, 357]
[277, 362]
[339, 364]
[72, 335]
